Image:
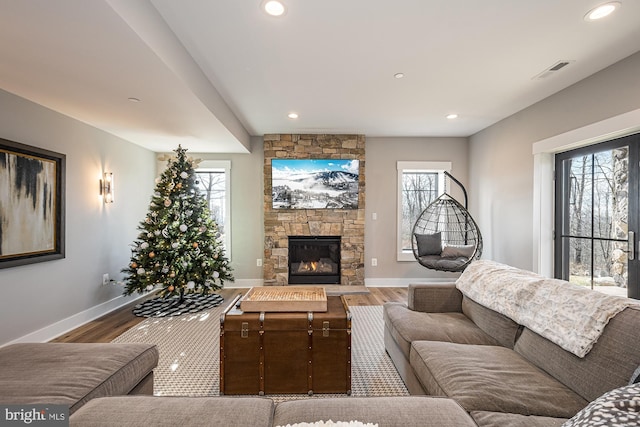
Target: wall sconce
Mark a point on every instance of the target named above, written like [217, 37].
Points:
[106, 187]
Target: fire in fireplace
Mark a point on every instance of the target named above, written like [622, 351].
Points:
[314, 260]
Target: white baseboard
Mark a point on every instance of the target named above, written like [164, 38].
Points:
[72, 322]
[244, 283]
[401, 282]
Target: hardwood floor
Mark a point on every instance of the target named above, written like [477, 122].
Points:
[108, 327]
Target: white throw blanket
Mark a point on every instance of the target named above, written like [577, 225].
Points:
[569, 315]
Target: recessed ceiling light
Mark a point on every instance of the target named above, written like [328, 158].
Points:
[274, 7]
[398, 75]
[601, 11]
[452, 116]
[293, 115]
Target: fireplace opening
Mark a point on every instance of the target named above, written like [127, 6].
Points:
[314, 260]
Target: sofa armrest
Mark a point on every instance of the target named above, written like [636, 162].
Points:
[434, 298]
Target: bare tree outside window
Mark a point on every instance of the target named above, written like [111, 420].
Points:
[598, 214]
[213, 186]
[419, 189]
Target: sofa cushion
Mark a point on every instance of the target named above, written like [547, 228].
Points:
[406, 411]
[610, 363]
[497, 325]
[139, 411]
[434, 298]
[72, 374]
[407, 325]
[491, 378]
[500, 419]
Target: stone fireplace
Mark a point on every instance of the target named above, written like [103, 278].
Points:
[281, 224]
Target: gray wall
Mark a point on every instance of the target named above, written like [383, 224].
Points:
[501, 166]
[382, 154]
[42, 300]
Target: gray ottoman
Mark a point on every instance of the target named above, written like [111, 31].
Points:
[144, 411]
[72, 374]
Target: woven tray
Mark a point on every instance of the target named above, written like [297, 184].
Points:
[285, 298]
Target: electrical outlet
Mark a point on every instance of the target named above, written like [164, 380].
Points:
[374, 262]
[259, 262]
[105, 279]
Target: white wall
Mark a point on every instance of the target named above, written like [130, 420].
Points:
[501, 163]
[40, 301]
[382, 154]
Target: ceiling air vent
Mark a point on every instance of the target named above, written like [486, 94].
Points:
[552, 70]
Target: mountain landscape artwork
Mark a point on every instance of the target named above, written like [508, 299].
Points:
[315, 183]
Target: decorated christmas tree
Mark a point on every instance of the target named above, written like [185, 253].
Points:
[178, 250]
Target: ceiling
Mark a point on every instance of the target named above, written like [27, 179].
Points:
[211, 73]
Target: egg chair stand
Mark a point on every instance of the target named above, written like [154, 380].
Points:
[445, 237]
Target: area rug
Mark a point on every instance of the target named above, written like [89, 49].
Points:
[190, 355]
[164, 307]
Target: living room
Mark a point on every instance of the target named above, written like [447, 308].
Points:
[506, 168]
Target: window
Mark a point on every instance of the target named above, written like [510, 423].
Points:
[597, 216]
[214, 184]
[419, 183]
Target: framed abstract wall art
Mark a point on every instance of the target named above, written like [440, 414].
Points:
[32, 204]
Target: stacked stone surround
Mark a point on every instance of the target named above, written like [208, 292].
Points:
[280, 224]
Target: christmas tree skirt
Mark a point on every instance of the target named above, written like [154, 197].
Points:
[191, 303]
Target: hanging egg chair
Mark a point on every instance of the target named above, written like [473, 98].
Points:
[445, 237]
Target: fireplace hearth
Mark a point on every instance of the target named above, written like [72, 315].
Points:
[314, 260]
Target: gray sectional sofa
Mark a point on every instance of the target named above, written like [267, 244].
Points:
[500, 371]
[471, 363]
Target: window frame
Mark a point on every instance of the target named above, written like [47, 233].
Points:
[222, 166]
[403, 167]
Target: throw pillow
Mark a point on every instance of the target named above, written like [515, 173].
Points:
[619, 407]
[429, 244]
[457, 251]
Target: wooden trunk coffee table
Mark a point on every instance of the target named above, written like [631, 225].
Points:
[286, 352]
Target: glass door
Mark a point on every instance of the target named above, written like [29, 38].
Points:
[597, 216]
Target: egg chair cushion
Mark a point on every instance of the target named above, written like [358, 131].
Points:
[436, 262]
[429, 244]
